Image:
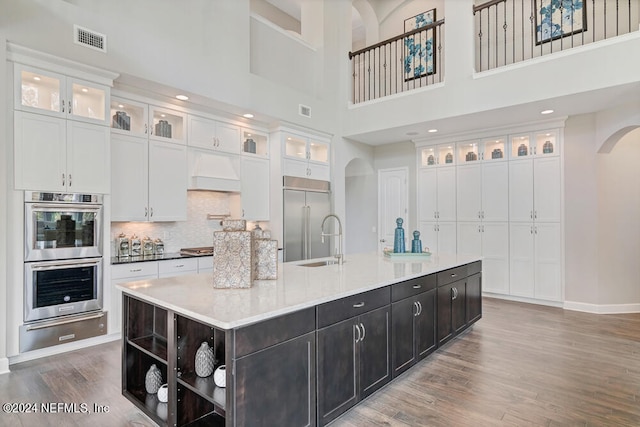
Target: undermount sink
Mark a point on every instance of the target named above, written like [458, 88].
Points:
[319, 263]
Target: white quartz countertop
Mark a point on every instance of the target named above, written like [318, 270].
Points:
[296, 288]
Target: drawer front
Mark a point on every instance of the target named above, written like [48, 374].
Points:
[205, 263]
[258, 336]
[448, 276]
[134, 269]
[474, 268]
[355, 305]
[177, 266]
[412, 287]
[64, 330]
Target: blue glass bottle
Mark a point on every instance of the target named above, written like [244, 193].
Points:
[416, 244]
[398, 238]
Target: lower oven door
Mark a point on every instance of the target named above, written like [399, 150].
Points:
[60, 288]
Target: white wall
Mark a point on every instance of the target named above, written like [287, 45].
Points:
[4, 180]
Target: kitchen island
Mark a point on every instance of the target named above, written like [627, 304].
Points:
[302, 349]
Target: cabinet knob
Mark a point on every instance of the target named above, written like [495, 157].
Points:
[62, 103]
[70, 182]
[63, 181]
[358, 305]
[417, 286]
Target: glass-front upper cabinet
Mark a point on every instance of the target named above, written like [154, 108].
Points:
[318, 151]
[544, 143]
[168, 125]
[254, 142]
[306, 149]
[295, 146]
[494, 149]
[129, 117]
[437, 155]
[469, 151]
[46, 92]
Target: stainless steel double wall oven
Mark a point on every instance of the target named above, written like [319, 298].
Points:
[63, 269]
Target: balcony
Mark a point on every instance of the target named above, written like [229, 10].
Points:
[506, 32]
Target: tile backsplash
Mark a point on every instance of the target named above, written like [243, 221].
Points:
[196, 231]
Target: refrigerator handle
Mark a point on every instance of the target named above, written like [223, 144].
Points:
[308, 232]
[305, 232]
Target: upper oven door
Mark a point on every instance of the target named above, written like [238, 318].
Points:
[62, 231]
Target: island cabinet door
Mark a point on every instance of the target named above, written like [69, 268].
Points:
[445, 331]
[374, 349]
[336, 355]
[474, 298]
[276, 386]
[425, 321]
[403, 334]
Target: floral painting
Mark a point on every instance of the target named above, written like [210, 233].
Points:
[418, 60]
[559, 18]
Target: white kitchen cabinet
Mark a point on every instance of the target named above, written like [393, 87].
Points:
[255, 143]
[439, 237]
[167, 125]
[213, 135]
[437, 194]
[177, 267]
[136, 118]
[54, 154]
[535, 260]
[306, 156]
[491, 240]
[123, 273]
[149, 180]
[54, 94]
[437, 155]
[254, 195]
[534, 190]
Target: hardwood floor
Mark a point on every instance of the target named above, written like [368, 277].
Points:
[521, 364]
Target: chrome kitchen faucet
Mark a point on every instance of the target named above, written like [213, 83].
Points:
[339, 253]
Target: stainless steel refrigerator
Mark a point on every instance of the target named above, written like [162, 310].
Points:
[306, 203]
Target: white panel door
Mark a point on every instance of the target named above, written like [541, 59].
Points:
[546, 172]
[429, 235]
[521, 264]
[469, 192]
[447, 238]
[255, 188]
[447, 194]
[129, 178]
[427, 194]
[40, 152]
[167, 181]
[495, 252]
[469, 238]
[228, 137]
[495, 191]
[393, 196]
[88, 158]
[521, 190]
[548, 279]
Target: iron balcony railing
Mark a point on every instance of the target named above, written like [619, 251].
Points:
[510, 31]
[405, 62]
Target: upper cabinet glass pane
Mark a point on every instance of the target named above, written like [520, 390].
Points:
[468, 152]
[128, 117]
[318, 152]
[520, 146]
[88, 101]
[40, 91]
[494, 149]
[546, 143]
[255, 143]
[167, 124]
[428, 157]
[296, 147]
[446, 154]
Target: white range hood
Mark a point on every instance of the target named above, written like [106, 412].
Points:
[213, 171]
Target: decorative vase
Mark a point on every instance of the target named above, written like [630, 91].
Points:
[448, 158]
[416, 244]
[220, 376]
[431, 160]
[398, 238]
[163, 393]
[522, 150]
[204, 360]
[153, 379]
[547, 147]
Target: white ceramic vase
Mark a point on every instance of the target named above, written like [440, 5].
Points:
[204, 360]
[153, 379]
[220, 376]
[163, 393]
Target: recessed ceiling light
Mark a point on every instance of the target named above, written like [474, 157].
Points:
[248, 115]
[546, 112]
[182, 97]
[412, 133]
[36, 78]
[85, 90]
[120, 106]
[432, 130]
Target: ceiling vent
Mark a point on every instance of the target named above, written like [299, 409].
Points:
[89, 38]
[303, 110]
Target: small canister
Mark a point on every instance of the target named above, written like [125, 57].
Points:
[147, 246]
[158, 247]
[136, 246]
[123, 245]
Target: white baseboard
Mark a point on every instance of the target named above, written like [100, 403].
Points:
[523, 299]
[62, 348]
[602, 308]
[4, 365]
